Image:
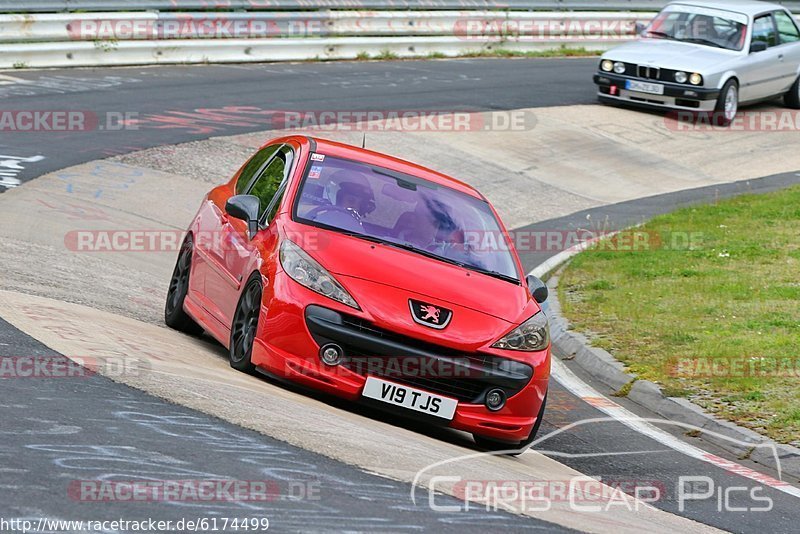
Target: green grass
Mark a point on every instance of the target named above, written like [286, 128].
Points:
[385, 54]
[708, 310]
[552, 52]
[495, 52]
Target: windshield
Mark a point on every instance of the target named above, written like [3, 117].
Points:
[718, 29]
[404, 211]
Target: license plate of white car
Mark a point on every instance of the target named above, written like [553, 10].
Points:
[644, 87]
[410, 398]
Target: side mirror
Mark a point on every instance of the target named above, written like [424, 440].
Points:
[638, 28]
[758, 46]
[245, 207]
[537, 288]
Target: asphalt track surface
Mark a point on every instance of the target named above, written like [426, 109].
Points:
[175, 104]
[70, 430]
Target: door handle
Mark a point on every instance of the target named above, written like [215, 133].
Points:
[780, 57]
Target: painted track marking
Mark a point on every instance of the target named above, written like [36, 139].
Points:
[644, 426]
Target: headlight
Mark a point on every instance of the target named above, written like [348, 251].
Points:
[681, 77]
[607, 65]
[695, 79]
[530, 336]
[307, 272]
[619, 67]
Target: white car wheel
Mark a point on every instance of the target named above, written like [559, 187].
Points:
[727, 104]
[731, 103]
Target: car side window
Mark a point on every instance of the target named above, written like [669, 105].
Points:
[764, 30]
[270, 181]
[787, 29]
[252, 167]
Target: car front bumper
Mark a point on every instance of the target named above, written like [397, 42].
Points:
[299, 321]
[676, 96]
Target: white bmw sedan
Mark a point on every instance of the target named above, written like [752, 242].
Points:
[707, 56]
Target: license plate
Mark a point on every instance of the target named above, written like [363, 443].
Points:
[644, 87]
[410, 398]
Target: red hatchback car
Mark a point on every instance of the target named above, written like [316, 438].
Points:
[371, 278]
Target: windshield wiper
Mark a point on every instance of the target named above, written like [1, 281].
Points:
[700, 40]
[495, 274]
[660, 34]
[423, 252]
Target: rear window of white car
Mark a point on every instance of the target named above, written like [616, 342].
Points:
[787, 29]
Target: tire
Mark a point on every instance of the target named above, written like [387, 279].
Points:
[174, 315]
[792, 98]
[515, 449]
[725, 111]
[245, 326]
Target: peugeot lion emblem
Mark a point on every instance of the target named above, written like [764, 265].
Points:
[429, 314]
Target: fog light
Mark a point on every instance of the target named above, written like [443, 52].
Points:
[331, 354]
[495, 399]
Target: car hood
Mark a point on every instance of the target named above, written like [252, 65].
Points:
[673, 55]
[418, 277]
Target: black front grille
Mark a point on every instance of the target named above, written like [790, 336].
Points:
[478, 358]
[649, 73]
[655, 73]
[371, 350]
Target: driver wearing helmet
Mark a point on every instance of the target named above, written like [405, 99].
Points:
[702, 27]
[351, 198]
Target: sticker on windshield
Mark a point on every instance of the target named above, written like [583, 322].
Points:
[317, 157]
[315, 172]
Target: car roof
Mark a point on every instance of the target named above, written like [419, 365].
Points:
[746, 7]
[342, 150]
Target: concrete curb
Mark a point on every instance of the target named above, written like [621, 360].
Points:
[742, 442]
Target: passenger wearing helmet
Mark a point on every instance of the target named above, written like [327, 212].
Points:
[350, 197]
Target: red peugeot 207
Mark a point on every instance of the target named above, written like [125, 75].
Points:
[373, 279]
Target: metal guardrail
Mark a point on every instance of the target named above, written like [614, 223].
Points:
[131, 38]
[82, 53]
[55, 6]
[152, 37]
[467, 25]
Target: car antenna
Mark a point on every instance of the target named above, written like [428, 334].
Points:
[364, 140]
